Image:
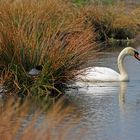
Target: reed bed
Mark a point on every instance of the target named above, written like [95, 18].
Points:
[58, 35]
[117, 21]
[51, 33]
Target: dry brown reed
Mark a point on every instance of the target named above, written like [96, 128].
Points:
[116, 21]
[58, 36]
[51, 33]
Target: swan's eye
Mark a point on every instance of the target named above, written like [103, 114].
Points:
[136, 53]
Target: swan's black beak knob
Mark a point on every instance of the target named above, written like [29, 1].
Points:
[136, 55]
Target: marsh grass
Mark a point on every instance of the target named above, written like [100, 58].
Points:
[19, 121]
[42, 33]
[117, 21]
[60, 37]
[82, 2]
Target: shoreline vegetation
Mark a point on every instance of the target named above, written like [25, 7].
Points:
[61, 36]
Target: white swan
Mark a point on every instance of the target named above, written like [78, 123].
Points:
[106, 74]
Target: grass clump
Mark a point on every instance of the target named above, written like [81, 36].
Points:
[42, 33]
[82, 2]
[116, 21]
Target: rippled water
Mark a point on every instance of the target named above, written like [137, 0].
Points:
[111, 110]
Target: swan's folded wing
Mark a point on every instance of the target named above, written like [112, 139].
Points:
[100, 74]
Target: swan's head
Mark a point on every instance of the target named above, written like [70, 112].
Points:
[131, 51]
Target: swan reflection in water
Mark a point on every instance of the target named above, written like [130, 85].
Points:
[102, 89]
[122, 94]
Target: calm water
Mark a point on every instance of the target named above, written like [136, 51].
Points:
[110, 111]
[106, 111]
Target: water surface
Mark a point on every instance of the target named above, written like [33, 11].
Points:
[105, 110]
[111, 110]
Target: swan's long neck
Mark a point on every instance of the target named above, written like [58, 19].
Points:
[123, 72]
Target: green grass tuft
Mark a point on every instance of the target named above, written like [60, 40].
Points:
[42, 33]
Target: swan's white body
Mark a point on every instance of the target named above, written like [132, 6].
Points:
[106, 74]
[99, 74]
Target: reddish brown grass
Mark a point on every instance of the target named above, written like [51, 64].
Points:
[43, 32]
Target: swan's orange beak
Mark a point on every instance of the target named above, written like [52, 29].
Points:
[136, 55]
